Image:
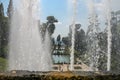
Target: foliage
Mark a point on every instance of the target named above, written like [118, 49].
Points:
[115, 54]
[115, 41]
[93, 49]
[48, 26]
[51, 19]
[3, 64]
[4, 32]
[10, 9]
[80, 39]
[66, 41]
[58, 38]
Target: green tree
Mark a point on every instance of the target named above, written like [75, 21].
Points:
[93, 49]
[3, 32]
[48, 26]
[80, 39]
[50, 23]
[58, 38]
[59, 41]
[115, 54]
[1, 10]
[80, 42]
[115, 27]
[51, 19]
[10, 9]
[1, 24]
[66, 41]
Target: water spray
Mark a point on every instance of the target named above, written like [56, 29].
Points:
[73, 35]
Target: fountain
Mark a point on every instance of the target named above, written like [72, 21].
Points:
[93, 31]
[30, 46]
[109, 40]
[74, 2]
[93, 52]
[94, 49]
[27, 51]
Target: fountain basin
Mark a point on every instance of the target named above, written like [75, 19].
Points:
[77, 75]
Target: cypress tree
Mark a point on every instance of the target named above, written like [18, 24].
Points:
[10, 9]
[1, 10]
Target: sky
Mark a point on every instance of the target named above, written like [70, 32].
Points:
[62, 10]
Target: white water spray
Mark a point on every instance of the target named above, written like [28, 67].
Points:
[107, 14]
[93, 30]
[74, 2]
[26, 48]
[108, 17]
